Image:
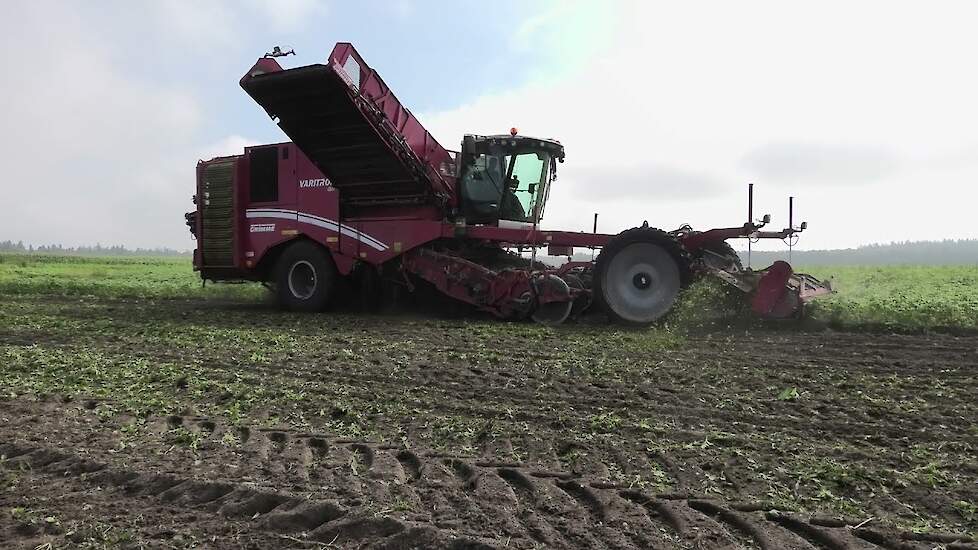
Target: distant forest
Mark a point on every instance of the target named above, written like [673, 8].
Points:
[97, 250]
[947, 252]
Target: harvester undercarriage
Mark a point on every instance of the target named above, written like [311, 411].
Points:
[636, 279]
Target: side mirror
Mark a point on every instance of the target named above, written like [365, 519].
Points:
[804, 226]
[767, 218]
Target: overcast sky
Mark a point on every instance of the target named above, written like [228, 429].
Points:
[865, 111]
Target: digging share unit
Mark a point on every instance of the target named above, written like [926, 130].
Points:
[364, 196]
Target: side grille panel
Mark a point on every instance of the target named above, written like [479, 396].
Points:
[217, 217]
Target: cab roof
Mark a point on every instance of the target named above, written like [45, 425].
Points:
[522, 143]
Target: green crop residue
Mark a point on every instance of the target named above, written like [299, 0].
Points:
[130, 277]
[900, 297]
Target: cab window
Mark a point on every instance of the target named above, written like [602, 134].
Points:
[263, 174]
[521, 186]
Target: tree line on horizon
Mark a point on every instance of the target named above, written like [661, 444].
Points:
[945, 252]
[96, 250]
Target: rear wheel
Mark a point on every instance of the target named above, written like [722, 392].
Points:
[305, 277]
[639, 274]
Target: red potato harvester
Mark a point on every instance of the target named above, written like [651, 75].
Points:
[364, 192]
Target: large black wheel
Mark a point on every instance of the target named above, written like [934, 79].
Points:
[305, 277]
[639, 274]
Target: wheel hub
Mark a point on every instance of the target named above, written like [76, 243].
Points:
[642, 280]
[302, 280]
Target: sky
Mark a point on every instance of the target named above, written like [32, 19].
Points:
[864, 111]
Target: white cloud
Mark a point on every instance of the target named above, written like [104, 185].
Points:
[288, 15]
[100, 146]
[230, 145]
[647, 181]
[196, 25]
[87, 146]
[863, 111]
[820, 163]
[404, 8]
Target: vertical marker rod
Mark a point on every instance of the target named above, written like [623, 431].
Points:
[595, 231]
[750, 203]
[791, 224]
[750, 217]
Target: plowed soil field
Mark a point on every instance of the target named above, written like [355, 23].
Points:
[198, 423]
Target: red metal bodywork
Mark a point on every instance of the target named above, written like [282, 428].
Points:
[770, 299]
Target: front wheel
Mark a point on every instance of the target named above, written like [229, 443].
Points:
[639, 274]
[305, 277]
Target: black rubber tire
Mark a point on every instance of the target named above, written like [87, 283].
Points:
[651, 239]
[305, 294]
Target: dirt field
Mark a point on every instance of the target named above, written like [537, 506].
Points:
[179, 424]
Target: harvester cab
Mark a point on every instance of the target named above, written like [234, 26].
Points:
[506, 179]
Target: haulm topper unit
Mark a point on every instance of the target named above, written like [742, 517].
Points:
[364, 197]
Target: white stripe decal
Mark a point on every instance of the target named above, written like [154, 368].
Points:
[318, 223]
[270, 210]
[271, 214]
[364, 239]
[325, 223]
[347, 230]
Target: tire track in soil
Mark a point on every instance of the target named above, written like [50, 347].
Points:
[863, 347]
[845, 424]
[698, 529]
[479, 495]
[840, 423]
[822, 537]
[566, 514]
[845, 428]
[610, 525]
[450, 500]
[553, 508]
[324, 521]
[526, 509]
[838, 419]
[377, 478]
[739, 522]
